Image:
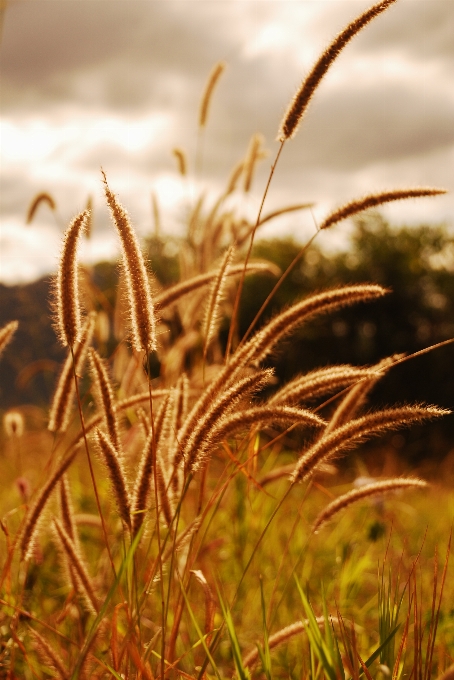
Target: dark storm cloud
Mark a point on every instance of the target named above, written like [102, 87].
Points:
[83, 63]
[353, 129]
[423, 29]
[133, 47]
[130, 57]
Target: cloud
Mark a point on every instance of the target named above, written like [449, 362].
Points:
[131, 50]
[118, 84]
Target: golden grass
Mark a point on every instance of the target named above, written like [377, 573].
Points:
[180, 497]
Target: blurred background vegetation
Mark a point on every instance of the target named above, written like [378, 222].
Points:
[416, 264]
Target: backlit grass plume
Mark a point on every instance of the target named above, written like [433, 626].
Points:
[105, 398]
[114, 466]
[142, 314]
[42, 197]
[300, 102]
[211, 319]
[6, 334]
[34, 515]
[372, 200]
[60, 410]
[347, 435]
[189, 517]
[366, 491]
[83, 579]
[213, 78]
[68, 317]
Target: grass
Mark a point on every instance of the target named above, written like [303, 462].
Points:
[163, 528]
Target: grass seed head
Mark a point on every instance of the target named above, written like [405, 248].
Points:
[372, 200]
[300, 102]
[142, 314]
[68, 316]
[6, 334]
[367, 491]
[213, 78]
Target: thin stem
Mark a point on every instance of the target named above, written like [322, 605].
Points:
[243, 275]
[158, 536]
[92, 474]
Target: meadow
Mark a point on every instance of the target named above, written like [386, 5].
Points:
[178, 512]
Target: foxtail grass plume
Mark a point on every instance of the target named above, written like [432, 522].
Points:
[205, 416]
[89, 207]
[29, 530]
[60, 410]
[240, 421]
[300, 102]
[68, 317]
[367, 491]
[105, 398]
[156, 214]
[213, 78]
[347, 435]
[175, 292]
[66, 509]
[260, 345]
[83, 579]
[48, 655]
[6, 334]
[372, 200]
[283, 211]
[142, 489]
[266, 414]
[210, 322]
[235, 175]
[181, 160]
[142, 315]
[320, 382]
[43, 197]
[355, 398]
[113, 463]
[254, 154]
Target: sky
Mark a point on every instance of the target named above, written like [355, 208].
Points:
[117, 84]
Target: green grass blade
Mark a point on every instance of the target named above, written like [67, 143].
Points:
[265, 656]
[243, 673]
[125, 565]
[376, 654]
[202, 637]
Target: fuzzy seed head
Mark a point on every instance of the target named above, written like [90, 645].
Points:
[68, 321]
[60, 410]
[372, 200]
[213, 78]
[6, 333]
[142, 315]
[367, 491]
[300, 102]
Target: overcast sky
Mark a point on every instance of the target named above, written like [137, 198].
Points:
[117, 84]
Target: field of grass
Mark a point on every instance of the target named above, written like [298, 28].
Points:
[177, 513]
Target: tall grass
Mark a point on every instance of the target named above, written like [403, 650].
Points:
[185, 534]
